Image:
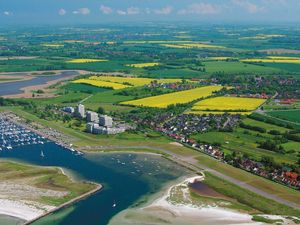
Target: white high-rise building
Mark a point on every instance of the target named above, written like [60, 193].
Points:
[80, 111]
[105, 121]
[92, 117]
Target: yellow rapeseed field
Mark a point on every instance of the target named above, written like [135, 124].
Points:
[53, 45]
[180, 97]
[216, 112]
[143, 65]
[193, 45]
[134, 81]
[86, 60]
[274, 59]
[228, 103]
[99, 83]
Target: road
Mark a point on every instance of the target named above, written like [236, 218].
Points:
[196, 166]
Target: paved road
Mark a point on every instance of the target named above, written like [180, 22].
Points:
[196, 166]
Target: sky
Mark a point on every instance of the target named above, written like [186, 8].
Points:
[106, 11]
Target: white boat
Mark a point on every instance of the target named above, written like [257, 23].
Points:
[42, 154]
[114, 205]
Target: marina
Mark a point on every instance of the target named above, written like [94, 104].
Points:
[121, 188]
[15, 132]
[13, 135]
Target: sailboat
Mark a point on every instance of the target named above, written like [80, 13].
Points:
[42, 154]
[114, 205]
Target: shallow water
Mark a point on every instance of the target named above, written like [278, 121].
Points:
[12, 88]
[127, 178]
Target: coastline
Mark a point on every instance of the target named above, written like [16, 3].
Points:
[164, 208]
[31, 211]
[68, 203]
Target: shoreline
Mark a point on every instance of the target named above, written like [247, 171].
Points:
[68, 203]
[28, 212]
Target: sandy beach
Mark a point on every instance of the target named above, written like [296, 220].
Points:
[164, 210]
[26, 210]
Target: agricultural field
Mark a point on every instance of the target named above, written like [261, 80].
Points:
[99, 83]
[181, 97]
[237, 67]
[193, 45]
[134, 81]
[290, 115]
[199, 112]
[143, 65]
[235, 104]
[86, 60]
[274, 59]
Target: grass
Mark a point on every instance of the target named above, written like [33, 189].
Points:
[237, 67]
[238, 141]
[290, 115]
[85, 88]
[138, 139]
[180, 97]
[251, 179]
[193, 45]
[228, 103]
[267, 126]
[45, 178]
[262, 219]
[248, 198]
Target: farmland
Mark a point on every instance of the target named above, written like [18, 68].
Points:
[99, 83]
[143, 65]
[86, 60]
[166, 84]
[182, 97]
[134, 81]
[290, 115]
[228, 104]
[275, 59]
[193, 45]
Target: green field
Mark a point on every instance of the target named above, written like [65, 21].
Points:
[238, 141]
[83, 88]
[237, 67]
[45, 178]
[290, 115]
[266, 126]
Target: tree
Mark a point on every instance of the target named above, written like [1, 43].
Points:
[101, 110]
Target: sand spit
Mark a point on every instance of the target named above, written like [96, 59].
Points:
[26, 210]
[165, 210]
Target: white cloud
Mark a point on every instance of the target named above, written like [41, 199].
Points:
[163, 11]
[7, 13]
[200, 8]
[248, 6]
[133, 11]
[82, 11]
[62, 12]
[121, 12]
[106, 10]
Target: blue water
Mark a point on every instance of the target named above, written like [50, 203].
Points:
[127, 178]
[12, 88]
